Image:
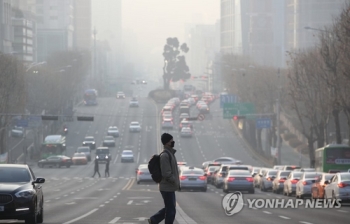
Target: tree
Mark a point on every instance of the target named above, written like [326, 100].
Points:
[175, 67]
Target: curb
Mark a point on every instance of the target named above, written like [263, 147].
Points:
[250, 150]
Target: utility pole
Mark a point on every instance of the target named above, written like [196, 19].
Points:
[278, 120]
[95, 56]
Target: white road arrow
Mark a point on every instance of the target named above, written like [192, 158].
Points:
[141, 218]
[71, 203]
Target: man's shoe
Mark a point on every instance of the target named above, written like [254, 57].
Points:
[149, 221]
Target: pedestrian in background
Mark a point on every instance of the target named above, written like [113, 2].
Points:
[107, 169]
[96, 169]
[169, 184]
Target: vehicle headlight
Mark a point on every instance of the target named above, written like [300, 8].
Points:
[97, 157]
[25, 194]
[106, 157]
[93, 143]
[84, 142]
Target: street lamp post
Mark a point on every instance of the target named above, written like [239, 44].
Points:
[95, 56]
[278, 121]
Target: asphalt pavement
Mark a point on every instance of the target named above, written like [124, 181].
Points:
[71, 195]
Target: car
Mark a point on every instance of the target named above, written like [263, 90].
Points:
[108, 141]
[17, 132]
[167, 109]
[185, 123]
[338, 187]
[238, 180]
[79, 159]
[168, 117]
[22, 196]
[184, 115]
[144, 165]
[278, 167]
[55, 161]
[89, 141]
[317, 189]
[210, 173]
[291, 167]
[103, 154]
[307, 170]
[143, 175]
[127, 156]
[226, 160]
[134, 126]
[86, 150]
[304, 185]
[204, 109]
[290, 183]
[134, 102]
[193, 178]
[267, 179]
[278, 182]
[167, 124]
[120, 95]
[113, 131]
[186, 132]
[144, 82]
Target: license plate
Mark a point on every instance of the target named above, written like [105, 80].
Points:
[192, 179]
[2, 209]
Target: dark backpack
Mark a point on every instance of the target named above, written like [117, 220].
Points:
[154, 167]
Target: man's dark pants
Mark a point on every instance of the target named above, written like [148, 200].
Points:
[169, 211]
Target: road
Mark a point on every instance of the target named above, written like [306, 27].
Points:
[73, 196]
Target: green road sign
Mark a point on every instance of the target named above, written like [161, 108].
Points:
[232, 109]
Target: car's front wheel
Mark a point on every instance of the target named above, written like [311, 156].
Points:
[40, 216]
[32, 218]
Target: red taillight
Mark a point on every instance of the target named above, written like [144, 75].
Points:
[281, 180]
[294, 181]
[269, 179]
[250, 179]
[202, 177]
[139, 173]
[183, 178]
[209, 173]
[230, 179]
[341, 185]
[305, 183]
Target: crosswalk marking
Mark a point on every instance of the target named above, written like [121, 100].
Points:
[114, 220]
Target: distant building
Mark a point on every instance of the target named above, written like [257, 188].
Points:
[311, 13]
[6, 32]
[55, 21]
[82, 24]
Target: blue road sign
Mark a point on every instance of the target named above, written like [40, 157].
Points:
[34, 118]
[227, 99]
[263, 123]
[22, 123]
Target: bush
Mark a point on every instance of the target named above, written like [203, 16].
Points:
[287, 136]
[303, 148]
[294, 142]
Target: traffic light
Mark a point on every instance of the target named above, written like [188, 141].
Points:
[85, 118]
[49, 118]
[236, 117]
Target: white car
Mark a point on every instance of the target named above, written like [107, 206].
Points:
[127, 156]
[186, 132]
[184, 115]
[135, 126]
[113, 131]
[120, 95]
[134, 103]
[17, 132]
[167, 124]
[108, 141]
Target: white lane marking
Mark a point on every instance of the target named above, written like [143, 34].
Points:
[116, 158]
[284, 217]
[138, 157]
[342, 211]
[182, 217]
[130, 202]
[114, 220]
[303, 222]
[266, 212]
[81, 217]
[101, 206]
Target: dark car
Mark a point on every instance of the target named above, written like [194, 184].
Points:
[103, 154]
[55, 161]
[21, 195]
[89, 141]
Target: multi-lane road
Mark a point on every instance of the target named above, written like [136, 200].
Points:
[73, 196]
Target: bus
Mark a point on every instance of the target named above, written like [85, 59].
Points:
[332, 158]
[90, 97]
[53, 145]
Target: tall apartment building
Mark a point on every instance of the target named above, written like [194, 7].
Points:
[6, 32]
[311, 13]
[24, 31]
[82, 24]
[55, 23]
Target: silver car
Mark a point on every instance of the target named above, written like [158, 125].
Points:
[127, 156]
[278, 182]
[239, 180]
[113, 131]
[289, 185]
[134, 103]
[184, 115]
[304, 185]
[143, 175]
[167, 124]
[17, 132]
[267, 179]
[89, 141]
[108, 141]
[86, 150]
[193, 178]
[338, 187]
[186, 132]
[135, 126]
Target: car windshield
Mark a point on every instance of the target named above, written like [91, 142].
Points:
[192, 172]
[311, 175]
[345, 177]
[134, 124]
[297, 174]
[113, 129]
[109, 138]
[89, 139]
[213, 168]
[79, 155]
[102, 151]
[14, 174]
[273, 173]
[83, 150]
[127, 153]
[284, 174]
[239, 172]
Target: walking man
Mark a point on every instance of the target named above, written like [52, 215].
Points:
[107, 169]
[96, 169]
[169, 184]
